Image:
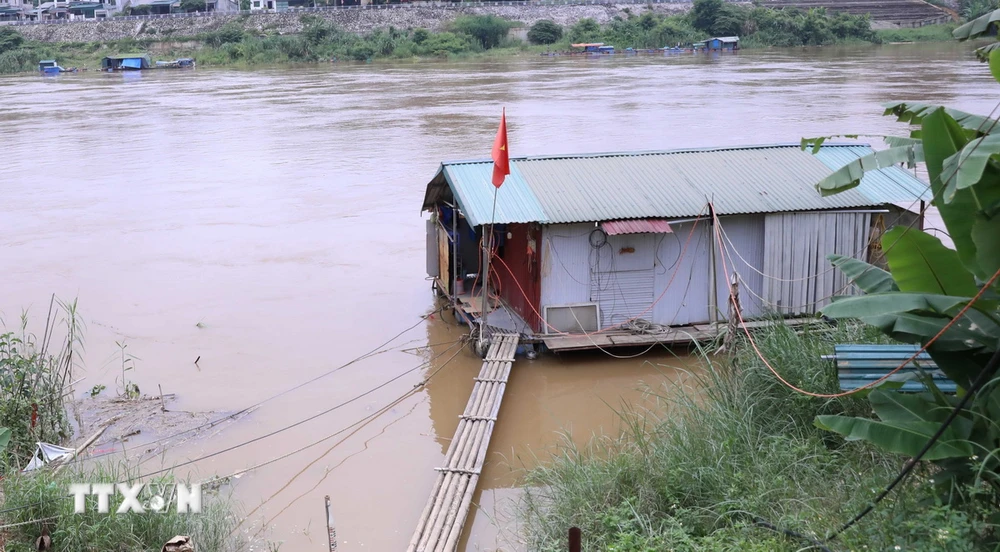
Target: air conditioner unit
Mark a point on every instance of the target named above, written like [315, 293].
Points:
[575, 318]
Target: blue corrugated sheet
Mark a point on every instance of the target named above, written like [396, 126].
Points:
[671, 184]
[472, 183]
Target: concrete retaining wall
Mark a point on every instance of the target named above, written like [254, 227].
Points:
[353, 20]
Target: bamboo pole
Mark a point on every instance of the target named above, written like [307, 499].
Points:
[443, 518]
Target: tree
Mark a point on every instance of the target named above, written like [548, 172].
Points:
[545, 32]
[10, 39]
[704, 13]
[192, 5]
[489, 30]
[945, 299]
[585, 30]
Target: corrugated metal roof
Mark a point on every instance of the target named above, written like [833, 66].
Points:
[882, 186]
[636, 226]
[515, 201]
[600, 187]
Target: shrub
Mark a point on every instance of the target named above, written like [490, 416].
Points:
[420, 35]
[585, 30]
[441, 44]
[489, 30]
[230, 33]
[192, 5]
[10, 39]
[17, 61]
[43, 494]
[545, 32]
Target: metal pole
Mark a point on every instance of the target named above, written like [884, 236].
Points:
[331, 530]
[486, 272]
[452, 292]
[713, 285]
[575, 538]
[486, 283]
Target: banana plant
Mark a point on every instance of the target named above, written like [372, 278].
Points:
[928, 285]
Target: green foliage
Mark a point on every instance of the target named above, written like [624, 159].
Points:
[440, 44]
[142, 9]
[545, 32]
[18, 61]
[932, 285]
[192, 6]
[930, 33]
[228, 34]
[704, 13]
[10, 39]
[693, 471]
[33, 373]
[971, 9]
[42, 495]
[420, 35]
[488, 30]
[244, 5]
[585, 30]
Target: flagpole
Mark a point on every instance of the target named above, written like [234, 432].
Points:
[501, 168]
[487, 254]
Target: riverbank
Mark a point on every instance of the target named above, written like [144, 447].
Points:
[316, 39]
[733, 462]
[36, 386]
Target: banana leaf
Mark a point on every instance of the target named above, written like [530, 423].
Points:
[919, 262]
[899, 437]
[868, 277]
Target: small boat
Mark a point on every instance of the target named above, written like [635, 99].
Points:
[50, 67]
[179, 63]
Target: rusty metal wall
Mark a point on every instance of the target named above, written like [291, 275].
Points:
[520, 283]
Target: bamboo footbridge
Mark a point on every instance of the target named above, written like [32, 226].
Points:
[441, 523]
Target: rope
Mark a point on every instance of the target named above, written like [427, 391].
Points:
[616, 326]
[298, 423]
[902, 365]
[376, 351]
[239, 445]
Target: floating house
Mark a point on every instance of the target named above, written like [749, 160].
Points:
[594, 48]
[633, 248]
[128, 62]
[719, 44]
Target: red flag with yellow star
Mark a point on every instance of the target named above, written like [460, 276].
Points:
[501, 158]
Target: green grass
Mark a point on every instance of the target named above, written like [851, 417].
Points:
[698, 471]
[930, 33]
[212, 530]
[35, 373]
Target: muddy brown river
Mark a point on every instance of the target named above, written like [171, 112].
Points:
[268, 222]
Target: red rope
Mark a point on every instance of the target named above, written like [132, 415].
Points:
[866, 386]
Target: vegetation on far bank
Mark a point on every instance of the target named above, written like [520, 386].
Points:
[320, 40]
[930, 33]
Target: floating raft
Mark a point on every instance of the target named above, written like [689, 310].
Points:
[441, 523]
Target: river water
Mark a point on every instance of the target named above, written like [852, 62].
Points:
[267, 222]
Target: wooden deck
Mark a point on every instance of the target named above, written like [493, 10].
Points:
[440, 526]
[681, 335]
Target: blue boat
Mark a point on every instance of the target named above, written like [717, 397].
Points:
[50, 67]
